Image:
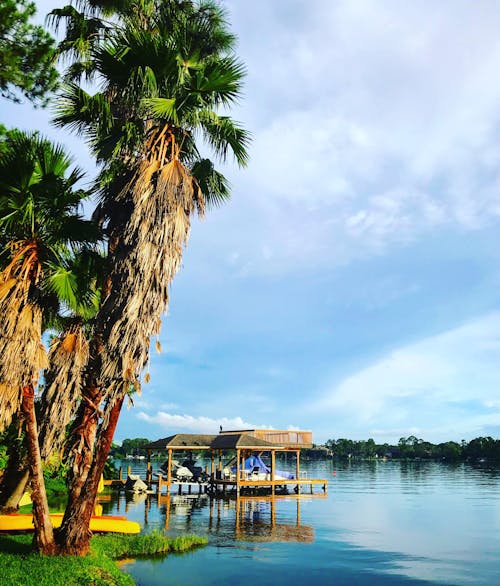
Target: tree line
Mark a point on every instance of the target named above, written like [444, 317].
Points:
[163, 76]
[480, 448]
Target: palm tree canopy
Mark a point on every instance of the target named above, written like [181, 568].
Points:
[165, 66]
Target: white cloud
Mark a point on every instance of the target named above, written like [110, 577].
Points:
[439, 387]
[199, 424]
[374, 123]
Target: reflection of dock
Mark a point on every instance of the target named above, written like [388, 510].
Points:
[252, 518]
[255, 518]
[251, 527]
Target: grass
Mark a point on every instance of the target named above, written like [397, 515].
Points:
[20, 565]
[130, 546]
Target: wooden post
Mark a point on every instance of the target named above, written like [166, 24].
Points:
[167, 511]
[298, 471]
[273, 467]
[120, 473]
[159, 483]
[212, 464]
[238, 472]
[129, 470]
[169, 470]
[238, 512]
[149, 472]
[211, 513]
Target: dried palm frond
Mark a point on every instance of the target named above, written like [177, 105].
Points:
[22, 352]
[162, 196]
[68, 357]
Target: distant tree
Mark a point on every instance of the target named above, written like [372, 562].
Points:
[134, 447]
[449, 451]
[26, 54]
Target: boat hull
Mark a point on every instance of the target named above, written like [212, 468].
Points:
[98, 524]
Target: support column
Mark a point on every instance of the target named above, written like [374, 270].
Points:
[273, 468]
[212, 465]
[298, 470]
[149, 472]
[169, 470]
[238, 455]
[167, 511]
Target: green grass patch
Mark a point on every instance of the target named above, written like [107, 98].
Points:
[130, 546]
[20, 565]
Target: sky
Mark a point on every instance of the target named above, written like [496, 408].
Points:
[351, 285]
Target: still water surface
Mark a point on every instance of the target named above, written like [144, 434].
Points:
[382, 523]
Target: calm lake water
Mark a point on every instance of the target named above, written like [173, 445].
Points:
[382, 523]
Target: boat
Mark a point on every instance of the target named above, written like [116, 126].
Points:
[185, 472]
[256, 469]
[107, 523]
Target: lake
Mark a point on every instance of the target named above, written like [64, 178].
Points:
[381, 523]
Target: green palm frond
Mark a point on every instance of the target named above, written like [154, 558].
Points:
[214, 186]
[164, 108]
[222, 133]
[78, 111]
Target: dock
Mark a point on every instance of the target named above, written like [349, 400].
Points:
[229, 472]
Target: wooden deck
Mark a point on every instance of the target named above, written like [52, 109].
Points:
[157, 483]
[252, 486]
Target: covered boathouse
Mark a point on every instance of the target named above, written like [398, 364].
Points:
[236, 460]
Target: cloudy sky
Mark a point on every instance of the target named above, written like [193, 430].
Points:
[352, 284]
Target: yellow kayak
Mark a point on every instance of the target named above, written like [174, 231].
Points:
[98, 524]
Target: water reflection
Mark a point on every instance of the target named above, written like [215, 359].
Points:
[381, 524]
[242, 518]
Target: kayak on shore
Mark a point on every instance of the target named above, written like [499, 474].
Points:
[107, 523]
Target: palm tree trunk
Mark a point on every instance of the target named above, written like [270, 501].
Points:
[84, 434]
[73, 536]
[15, 485]
[15, 475]
[44, 534]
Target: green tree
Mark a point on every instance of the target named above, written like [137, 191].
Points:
[39, 224]
[166, 70]
[26, 54]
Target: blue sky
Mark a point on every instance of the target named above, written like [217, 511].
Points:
[351, 285]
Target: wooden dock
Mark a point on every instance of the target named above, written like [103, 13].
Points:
[158, 483]
[233, 475]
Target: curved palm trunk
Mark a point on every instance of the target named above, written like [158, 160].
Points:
[44, 534]
[73, 536]
[13, 491]
[15, 476]
[84, 435]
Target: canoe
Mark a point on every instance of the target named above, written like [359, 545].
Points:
[105, 523]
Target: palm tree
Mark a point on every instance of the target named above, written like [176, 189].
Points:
[39, 222]
[166, 70]
[67, 356]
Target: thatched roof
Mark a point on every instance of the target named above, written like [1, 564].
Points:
[183, 441]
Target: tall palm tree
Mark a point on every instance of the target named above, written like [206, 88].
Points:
[166, 71]
[39, 223]
[67, 356]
